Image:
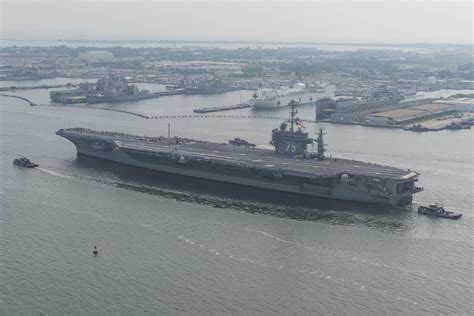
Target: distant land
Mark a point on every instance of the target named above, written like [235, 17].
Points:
[144, 41]
[264, 42]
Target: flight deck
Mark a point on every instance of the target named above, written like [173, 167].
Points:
[251, 157]
[292, 166]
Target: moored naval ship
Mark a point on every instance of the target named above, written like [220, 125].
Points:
[115, 89]
[290, 167]
[208, 90]
[77, 95]
[68, 96]
[206, 87]
[265, 98]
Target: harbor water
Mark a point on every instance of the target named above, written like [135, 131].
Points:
[170, 245]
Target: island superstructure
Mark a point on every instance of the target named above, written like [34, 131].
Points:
[290, 167]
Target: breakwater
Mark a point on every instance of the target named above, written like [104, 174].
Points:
[18, 97]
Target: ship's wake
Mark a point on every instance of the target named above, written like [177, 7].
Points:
[319, 274]
[54, 173]
[309, 272]
[337, 213]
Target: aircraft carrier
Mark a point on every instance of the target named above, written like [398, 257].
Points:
[290, 167]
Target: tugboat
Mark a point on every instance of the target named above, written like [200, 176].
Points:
[24, 162]
[437, 210]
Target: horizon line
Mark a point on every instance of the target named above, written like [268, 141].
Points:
[239, 42]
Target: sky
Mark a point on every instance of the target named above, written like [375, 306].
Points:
[337, 21]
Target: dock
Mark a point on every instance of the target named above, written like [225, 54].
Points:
[171, 92]
[438, 124]
[222, 108]
[44, 86]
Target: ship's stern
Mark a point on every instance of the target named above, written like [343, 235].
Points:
[404, 188]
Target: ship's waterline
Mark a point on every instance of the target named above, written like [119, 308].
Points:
[273, 98]
[310, 175]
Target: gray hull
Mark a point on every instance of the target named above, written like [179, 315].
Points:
[191, 91]
[175, 161]
[100, 99]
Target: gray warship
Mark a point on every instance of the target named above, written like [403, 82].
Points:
[116, 89]
[290, 167]
[203, 86]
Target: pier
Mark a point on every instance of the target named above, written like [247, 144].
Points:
[222, 108]
[44, 86]
[18, 97]
[171, 92]
[438, 124]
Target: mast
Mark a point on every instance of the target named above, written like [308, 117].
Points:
[321, 150]
[316, 112]
[293, 113]
[447, 78]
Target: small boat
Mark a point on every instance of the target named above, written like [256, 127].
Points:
[469, 122]
[95, 251]
[24, 162]
[456, 126]
[417, 128]
[437, 210]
